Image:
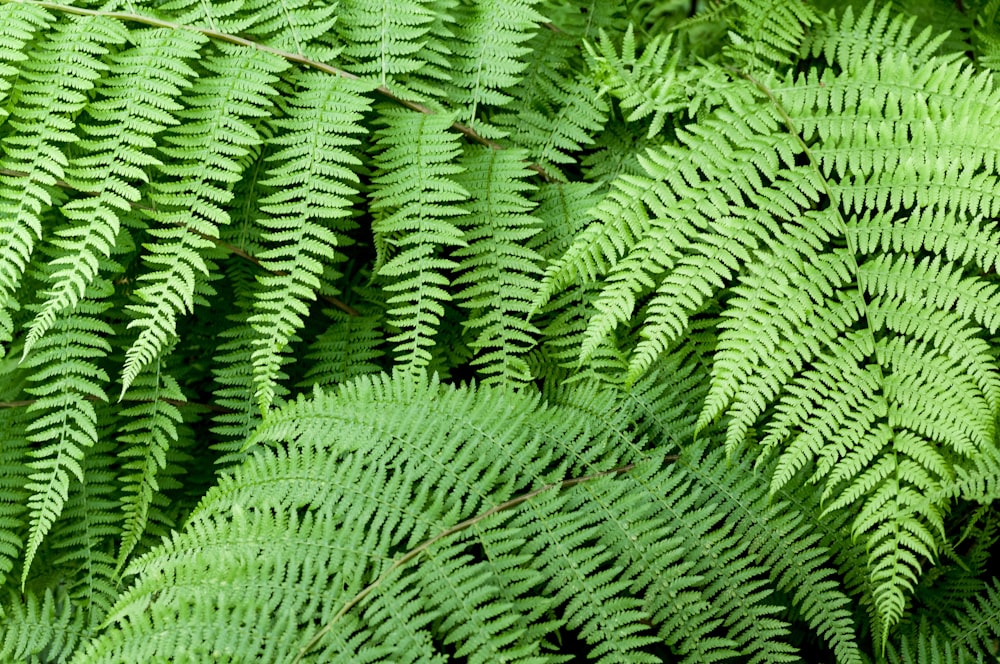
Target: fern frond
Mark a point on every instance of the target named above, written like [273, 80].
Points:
[563, 211]
[307, 216]
[59, 72]
[818, 215]
[768, 33]
[136, 100]
[730, 283]
[20, 24]
[986, 37]
[233, 373]
[497, 271]
[350, 346]
[644, 85]
[965, 636]
[856, 38]
[291, 25]
[678, 553]
[489, 44]
[417, 200]
[149, 432]
[622, 221]
[82, 542]
[204, 155]
[66, 377]
[14, 451]
[40, 627]
[384, 38]
[558, 111]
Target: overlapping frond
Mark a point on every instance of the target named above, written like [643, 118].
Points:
[13, 473]
[307, 216]
[57, 73]
[487, 56]
[80, 548]
[43, 625]
[501, 551]
[350, 346]
[203, 156]
[555, 111]
[842, 223]
[67, 378]
[727, 284]
[415, 207]
[147, 435]
[135, 101]
[383, 38]
[498, 272]
[767, 34]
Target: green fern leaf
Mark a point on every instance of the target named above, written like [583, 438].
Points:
[643, 85]
[60, 71]
[489, 43]
[820, 217]
[149, 432]
[67, 377]
[678, 548]
[558, 111]
[109, 162]
[384, 38]
[40, 627]
[415, 204]
[204, 157]
[14, 448]
[20, 24]
[81, 543]
[497, 271]
[350, 346]
[308, 215]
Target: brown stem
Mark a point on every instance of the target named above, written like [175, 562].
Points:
[458, 527]
[287, 55]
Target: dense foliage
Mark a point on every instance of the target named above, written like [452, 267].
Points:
[499, 331]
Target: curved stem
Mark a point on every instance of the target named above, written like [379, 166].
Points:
[447, 532]
[298, 58]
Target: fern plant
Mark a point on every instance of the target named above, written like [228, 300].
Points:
[532, 331]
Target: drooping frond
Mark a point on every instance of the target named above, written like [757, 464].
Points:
[58, 71]
[13, 472]
[80, 548]
[383, 39]
[490, 41]
[415, 207]
[134, 102]
[203, 156]
[555, 111]
[149, 432]
[233, 371]
[497, 271]
[67, 378]
[350, 346]
[307, 216]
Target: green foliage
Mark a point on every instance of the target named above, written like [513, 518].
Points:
[493, 331]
